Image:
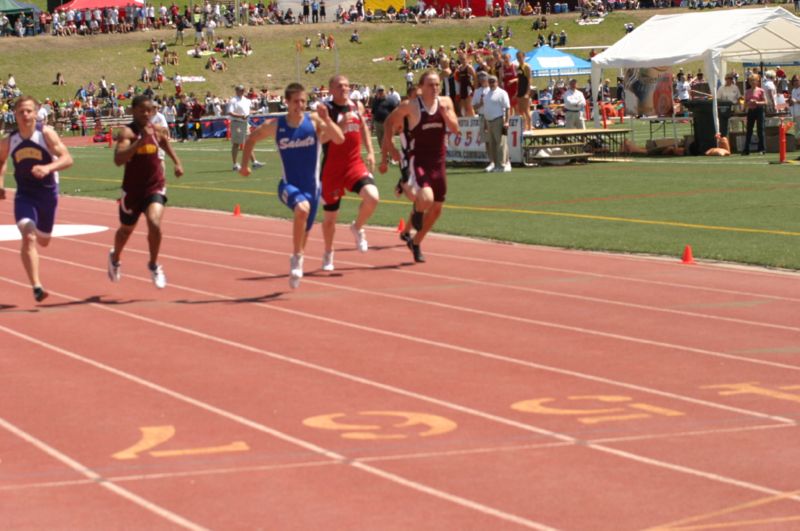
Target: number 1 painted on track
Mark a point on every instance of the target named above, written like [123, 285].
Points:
[153, 436]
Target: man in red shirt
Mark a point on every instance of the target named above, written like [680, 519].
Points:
[343, 169]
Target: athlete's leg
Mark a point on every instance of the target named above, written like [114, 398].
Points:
[120, 239]
[369, 201]
[299, 232]
[430, 209]
[234, 152]
[28, 252]
[153, 214]
[329, 227]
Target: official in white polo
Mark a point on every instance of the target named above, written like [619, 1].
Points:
[574, 107]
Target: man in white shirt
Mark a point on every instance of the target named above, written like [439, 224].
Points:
[729, 91]
[477, 103]
[495, 105]
[239, 111]
[394, 96]
[574, 107]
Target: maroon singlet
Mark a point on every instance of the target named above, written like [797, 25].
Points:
[429, 151]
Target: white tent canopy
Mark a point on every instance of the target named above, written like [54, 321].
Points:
[714, 37]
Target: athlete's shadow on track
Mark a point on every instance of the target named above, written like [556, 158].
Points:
[244, 300]
[318, 273]
[12, 308]
[94, 299]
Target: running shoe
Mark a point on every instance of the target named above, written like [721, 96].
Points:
[489, 168]
[418, 256]
[157, 273]
[406, 237]
[295, 270]
[113, 268]
[507, 167]
[39, 293]
[327, 261]
[237, 167]
[360, 237]
[257, 164]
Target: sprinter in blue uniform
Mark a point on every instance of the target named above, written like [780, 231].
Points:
[38, 155]
[299, 137]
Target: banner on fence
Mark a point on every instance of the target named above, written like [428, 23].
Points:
[468, 146]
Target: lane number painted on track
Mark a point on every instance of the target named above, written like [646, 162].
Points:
[384, 425]
[153, 436]
[596, 415]
[755, 388]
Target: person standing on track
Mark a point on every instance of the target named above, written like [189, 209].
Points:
[143, 185]
[38, 156]
[430, 117]
[343, 169]
[298, 137]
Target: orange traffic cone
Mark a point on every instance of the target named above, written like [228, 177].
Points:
[401, 227]
[687, 255]
[236, 210]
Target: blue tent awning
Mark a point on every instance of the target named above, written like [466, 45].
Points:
[549, 62]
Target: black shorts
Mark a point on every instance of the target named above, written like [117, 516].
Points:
[131, 216]
[356, 189]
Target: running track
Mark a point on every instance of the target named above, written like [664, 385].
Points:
[495, 387]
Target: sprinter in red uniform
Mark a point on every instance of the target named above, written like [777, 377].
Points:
[143, 186]
[430, 117]
[343, 169]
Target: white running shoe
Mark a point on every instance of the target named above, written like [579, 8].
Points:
[113, 269]
[360, 237]
[257, 164]
[295, 270]
[489, 168]
[327, 261]
[159, 279]
[237, 167]
[507, 167]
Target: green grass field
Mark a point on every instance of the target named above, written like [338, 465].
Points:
[737, 209]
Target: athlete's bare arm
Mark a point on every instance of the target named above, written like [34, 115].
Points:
[61, 157]
[392, 126]
[327, 130]
[367, 138]
[448, 111]
[265, 130]
[163, 142]
[3, 162]
[128, 143]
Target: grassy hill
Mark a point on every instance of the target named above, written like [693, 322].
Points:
[35, 61]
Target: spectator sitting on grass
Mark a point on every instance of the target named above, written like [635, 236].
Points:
[313, 64]
[354, 37]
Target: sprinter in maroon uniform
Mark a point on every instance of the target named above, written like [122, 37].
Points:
[143, 186]
[430, 117]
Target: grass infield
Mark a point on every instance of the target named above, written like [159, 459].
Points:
[736, 209]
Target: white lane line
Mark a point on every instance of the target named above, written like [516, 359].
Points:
[583, 298]
[419, 487]
[662, 260]
[97, 478]
[691, 287]
[448, 346]
[467, 309]
[364, 466]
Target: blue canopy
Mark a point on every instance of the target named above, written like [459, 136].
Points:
[549, 62]
[510, 50]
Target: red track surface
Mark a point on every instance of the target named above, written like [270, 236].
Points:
[495, 387]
